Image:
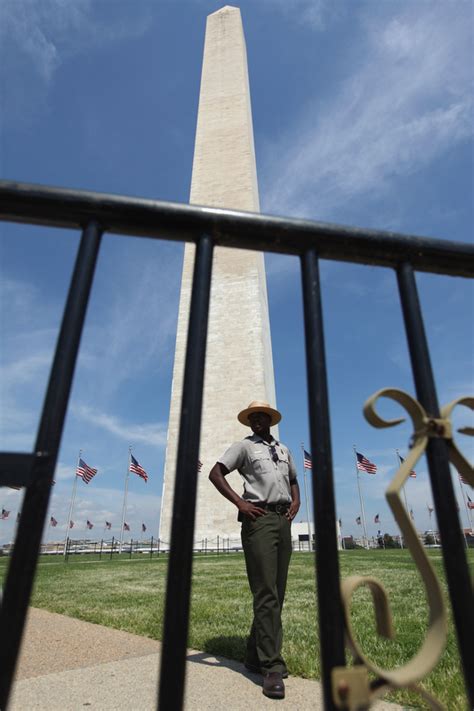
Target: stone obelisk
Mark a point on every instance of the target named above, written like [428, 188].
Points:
[239, 366]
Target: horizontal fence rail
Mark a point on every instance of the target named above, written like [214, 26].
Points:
[58, 207]
[95, 214]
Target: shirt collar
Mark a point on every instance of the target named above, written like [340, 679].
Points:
[256, 438]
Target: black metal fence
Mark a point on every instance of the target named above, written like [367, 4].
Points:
[95, 214]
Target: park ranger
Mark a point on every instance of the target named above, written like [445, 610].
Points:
[269, 503]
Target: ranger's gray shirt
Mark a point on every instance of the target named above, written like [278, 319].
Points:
[264, 479]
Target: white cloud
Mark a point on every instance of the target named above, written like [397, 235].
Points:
[151, 433]
[313, 13]
[26, 369]
[99, 504]
[96, 504]
[133, 330]
[141, 322]
[25, 360]
[408, 100]
[44, 31]
[37, 37]
[63, 472]
[132, 325]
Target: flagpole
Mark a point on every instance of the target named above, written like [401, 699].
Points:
[430, 511]
[15, 529]
[71, 507]
[468, 512]
[310, 540]
[366, 543]
[403, 487]
[125, 498]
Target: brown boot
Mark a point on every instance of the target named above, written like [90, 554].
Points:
[273, 685]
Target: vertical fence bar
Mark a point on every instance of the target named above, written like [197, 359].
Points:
[22, 567]
[331, 622]
[178, 590]
[454, 555]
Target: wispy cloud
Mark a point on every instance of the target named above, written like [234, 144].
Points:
[130, 330]
[25, 359]
[407, 102]
[151, 433]
[96, 504]
[64, 472]
[37, 37]
[311, 13]
[26, 369]
[136, 327]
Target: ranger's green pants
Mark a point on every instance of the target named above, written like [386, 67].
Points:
[267, 547]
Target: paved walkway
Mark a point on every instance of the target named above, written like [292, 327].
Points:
[67, 665]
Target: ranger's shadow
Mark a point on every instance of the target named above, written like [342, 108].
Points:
[214, 653]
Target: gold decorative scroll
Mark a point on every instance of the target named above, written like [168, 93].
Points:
[410, 674]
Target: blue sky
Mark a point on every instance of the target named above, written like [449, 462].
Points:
[362, 115]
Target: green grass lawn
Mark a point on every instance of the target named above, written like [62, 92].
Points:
[129, 595]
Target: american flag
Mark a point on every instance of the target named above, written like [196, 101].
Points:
[126, 527]
[136, 468]
[307, 460]
[5, 514]
[143, 528]
[358, 521]
[412, 473]
[89, 525]
[377, 519]
[108, 525]
[53, 521]
[71, 524]
[85, 472]
[365, 465]
[470, 503]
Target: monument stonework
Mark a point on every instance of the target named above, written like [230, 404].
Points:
[239, 366]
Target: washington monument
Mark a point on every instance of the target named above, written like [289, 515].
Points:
[239, 366]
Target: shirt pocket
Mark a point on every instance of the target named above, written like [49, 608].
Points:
[261, 465]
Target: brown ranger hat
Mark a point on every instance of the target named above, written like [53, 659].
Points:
[257, 406]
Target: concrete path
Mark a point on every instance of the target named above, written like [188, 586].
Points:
[67, 665]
